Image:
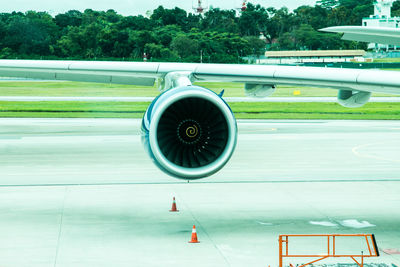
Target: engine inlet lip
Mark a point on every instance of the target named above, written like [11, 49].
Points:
[170, 97]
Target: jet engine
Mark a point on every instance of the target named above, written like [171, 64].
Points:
[353, 99]
[259, 90]
[190, 132]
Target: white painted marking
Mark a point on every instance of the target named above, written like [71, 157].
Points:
[264, 223]
[323, 223]
[356, 224]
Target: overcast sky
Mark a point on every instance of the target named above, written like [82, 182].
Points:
[132, 7]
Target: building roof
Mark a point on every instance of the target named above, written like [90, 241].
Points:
[316, 53]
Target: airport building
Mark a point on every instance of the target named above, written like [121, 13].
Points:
[312, 56]
[382, 18]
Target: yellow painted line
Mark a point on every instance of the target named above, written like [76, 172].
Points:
[363, 155]
[271, 130]
[297, 92]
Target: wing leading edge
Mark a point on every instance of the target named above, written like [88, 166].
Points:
[380, 35]
[140, 73]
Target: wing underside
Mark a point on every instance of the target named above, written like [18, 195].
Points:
[380, 35]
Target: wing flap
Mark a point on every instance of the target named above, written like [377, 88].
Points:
[137, 73]
[235, 73]
[348, 79]
[28, 73]
[371, 38]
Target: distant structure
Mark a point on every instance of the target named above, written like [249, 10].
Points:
[383, 8]
[200, 7]
[243, 6]
[382, 18]
[312, 56]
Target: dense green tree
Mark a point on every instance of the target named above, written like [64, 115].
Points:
[255, 44]
[3, 32]
[354, 3]
[70, 18]
[174, 35]
[286, 42]
[6, 53]
[350, 12]
[70, 45]
[135, 23]
[167, 33]
[280, 21]
[90, 16]
[111, 16]
[396, 8]
[174, 16]
[360, 12]
[141, 38]
[185, 46]
[253, 20]
[153, 50]
[339, 16]
[220, 21]
[31, 34]
[314, 16]
[114, 43]
[306, 37]
[193, 21]
[90, 38]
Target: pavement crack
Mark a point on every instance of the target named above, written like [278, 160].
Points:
[60, 228]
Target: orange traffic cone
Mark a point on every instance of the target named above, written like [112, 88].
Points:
[174, 209]
[194, 236]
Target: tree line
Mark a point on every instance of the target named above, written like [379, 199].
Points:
[220, 36]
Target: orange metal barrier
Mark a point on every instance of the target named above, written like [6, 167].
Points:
[331, 248]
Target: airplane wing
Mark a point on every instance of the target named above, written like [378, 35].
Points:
[146, 73]
[380, 35]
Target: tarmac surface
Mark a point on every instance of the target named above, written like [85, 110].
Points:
[149, 99]
[82, 192]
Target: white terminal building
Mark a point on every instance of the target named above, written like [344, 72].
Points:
[382, 18]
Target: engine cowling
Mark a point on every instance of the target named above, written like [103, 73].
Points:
[353, 99]
[190, 132]
[259, 90]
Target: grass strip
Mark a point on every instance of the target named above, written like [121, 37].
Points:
[65, 88]
[242, 110]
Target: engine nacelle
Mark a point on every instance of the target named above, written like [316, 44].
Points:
[190, 132]
[353, 99]
[258, 90]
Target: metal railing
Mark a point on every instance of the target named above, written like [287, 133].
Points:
[331, 248]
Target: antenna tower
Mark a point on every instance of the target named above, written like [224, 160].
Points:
[244, 6]
[200, 8]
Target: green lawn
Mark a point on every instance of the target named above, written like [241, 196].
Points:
[22, 88]
[384, 111]
[98, 89]
[27, 88]
[135, 110]
[386, 60]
